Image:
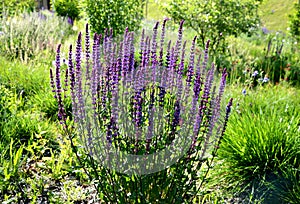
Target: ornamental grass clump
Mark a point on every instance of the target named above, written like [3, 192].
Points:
[150, 127]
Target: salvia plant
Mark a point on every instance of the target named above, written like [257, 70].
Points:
[149, 126]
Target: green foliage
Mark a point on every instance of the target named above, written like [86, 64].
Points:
[31, 159]
[27, 36]
[287, 187]
[118, 15]
[261, 144]
[12, 7]
[215, 20]
[67, 8]
[11, 160]
[295, 22]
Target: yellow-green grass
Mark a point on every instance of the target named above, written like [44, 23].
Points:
[275, 14]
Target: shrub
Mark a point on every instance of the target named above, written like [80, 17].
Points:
[215, 20]
[12, 7]
[117, 15]
[147, 132]
[295, 22]
[67, 8]
[26, 36]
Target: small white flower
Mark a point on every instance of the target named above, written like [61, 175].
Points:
[255, 73]
[265, 80]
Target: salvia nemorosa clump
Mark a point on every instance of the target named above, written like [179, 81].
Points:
[140, 110]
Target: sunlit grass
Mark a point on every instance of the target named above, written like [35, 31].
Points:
[274, 14]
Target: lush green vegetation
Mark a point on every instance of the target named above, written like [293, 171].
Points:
[257, 159]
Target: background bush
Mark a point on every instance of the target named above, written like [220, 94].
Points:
[11, 7]
[211, 18]
[67, 8]
[295, 22]
[117, 14]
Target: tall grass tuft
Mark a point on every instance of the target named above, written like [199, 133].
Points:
[260, 153]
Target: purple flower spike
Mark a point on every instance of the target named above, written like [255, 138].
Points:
[131, 56]
[61, 111]
[52, 83]
[87, 53]
[162, 42]
[228, 110]
[190, 71]
[79, 88]
[66, 80]
[177, 46]
[204, 65]
[222, 84]
[142, 45]
[180, 72]
[176, 118]
[72, 82]
[153, 52]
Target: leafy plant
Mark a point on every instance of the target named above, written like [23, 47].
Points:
[113, 102]
[117, 15]
[11, 160]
